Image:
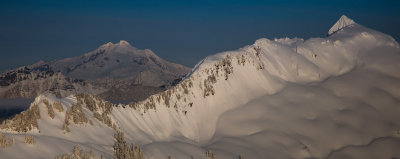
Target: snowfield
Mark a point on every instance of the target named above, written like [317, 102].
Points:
[332, 97]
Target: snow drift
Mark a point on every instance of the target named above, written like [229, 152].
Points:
[333, 97]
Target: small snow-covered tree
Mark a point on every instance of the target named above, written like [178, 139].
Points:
[50, 110]
[58, 106]
[4, 141]
[77, 115]
[123, 151]
[210, 154]
[29, 139]
[77, 153]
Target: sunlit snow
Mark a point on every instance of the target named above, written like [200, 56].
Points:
[331, 97]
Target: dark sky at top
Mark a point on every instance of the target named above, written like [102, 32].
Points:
[179, 31]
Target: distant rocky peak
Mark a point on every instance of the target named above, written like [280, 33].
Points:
[343, 22]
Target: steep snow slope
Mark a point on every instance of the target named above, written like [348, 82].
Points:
[333, 97]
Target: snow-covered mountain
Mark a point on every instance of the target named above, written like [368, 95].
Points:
[332, 97]
[110, 71]
[340, 24]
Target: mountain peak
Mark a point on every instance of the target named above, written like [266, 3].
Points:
[109, 44]
[121, 43]
[124, 43]
[343, 22]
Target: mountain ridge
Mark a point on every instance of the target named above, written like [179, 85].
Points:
[281, 98]
[108, 67]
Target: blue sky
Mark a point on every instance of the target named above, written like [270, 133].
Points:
[179, 31]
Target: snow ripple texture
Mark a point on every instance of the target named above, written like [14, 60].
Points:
[333, 97]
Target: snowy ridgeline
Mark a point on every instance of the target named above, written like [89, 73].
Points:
[113, 71]
[333, 97]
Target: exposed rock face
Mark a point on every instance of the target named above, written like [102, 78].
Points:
[112, 71]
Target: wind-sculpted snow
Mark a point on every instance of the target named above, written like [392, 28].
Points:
[328, 97]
